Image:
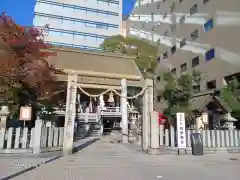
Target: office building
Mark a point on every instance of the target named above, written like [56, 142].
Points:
[193, 34]
[79, 23]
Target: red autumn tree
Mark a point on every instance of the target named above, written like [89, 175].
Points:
[22, 58]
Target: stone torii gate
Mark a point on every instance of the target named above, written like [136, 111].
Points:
[71, 112]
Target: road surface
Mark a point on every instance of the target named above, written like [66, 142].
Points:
[105, 160]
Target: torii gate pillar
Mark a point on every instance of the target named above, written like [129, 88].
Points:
[147, 109]
[70, 114]
[124, 111]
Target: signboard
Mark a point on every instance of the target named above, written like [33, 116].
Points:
[181, 131]
[205, 118]
[25, 113]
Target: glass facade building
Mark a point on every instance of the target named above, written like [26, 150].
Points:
[79, 23]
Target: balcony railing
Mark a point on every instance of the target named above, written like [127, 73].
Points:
[111, 111]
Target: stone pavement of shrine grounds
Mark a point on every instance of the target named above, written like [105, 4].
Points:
[109, 160]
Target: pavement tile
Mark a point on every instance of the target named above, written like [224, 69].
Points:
[104, 160]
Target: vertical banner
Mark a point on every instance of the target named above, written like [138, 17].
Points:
[181, 131]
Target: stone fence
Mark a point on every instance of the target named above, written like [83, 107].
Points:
[36, 140]
[213, 140]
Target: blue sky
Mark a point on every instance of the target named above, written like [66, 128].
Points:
[22, 10]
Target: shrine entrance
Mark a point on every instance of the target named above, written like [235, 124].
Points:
[104, 116]
[100, 79]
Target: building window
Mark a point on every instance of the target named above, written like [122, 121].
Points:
[208, 25]
[195, 61]
[99, 26]
[210, 54]
[182, 20]
[211, 84]
[196, 88]
[183, 67]
[91, 25]
[165, 55]
[194, 34]
[183, 42]
[205, 1]
[193, 9]
[174, 71]
[173, 49]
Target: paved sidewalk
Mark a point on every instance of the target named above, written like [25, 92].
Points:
[14, 166]
[109, 160]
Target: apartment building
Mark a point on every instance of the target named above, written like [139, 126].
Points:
[79, 23]
[193, 34]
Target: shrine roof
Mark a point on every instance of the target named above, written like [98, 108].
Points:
[201, 100]
[96, 67]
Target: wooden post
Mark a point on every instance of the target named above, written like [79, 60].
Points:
[70, 114]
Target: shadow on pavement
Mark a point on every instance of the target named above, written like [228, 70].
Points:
[84, 145]
[30, 168]
[75, 150]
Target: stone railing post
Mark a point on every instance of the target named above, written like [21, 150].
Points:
[3, 116]
[37, 136]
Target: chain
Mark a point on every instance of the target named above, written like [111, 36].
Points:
[111, 90]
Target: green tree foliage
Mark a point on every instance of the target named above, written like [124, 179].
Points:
[229, 95]
[145, 53]
[197, 76]
[178, 92]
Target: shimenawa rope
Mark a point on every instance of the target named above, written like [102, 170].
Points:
[111, 90]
